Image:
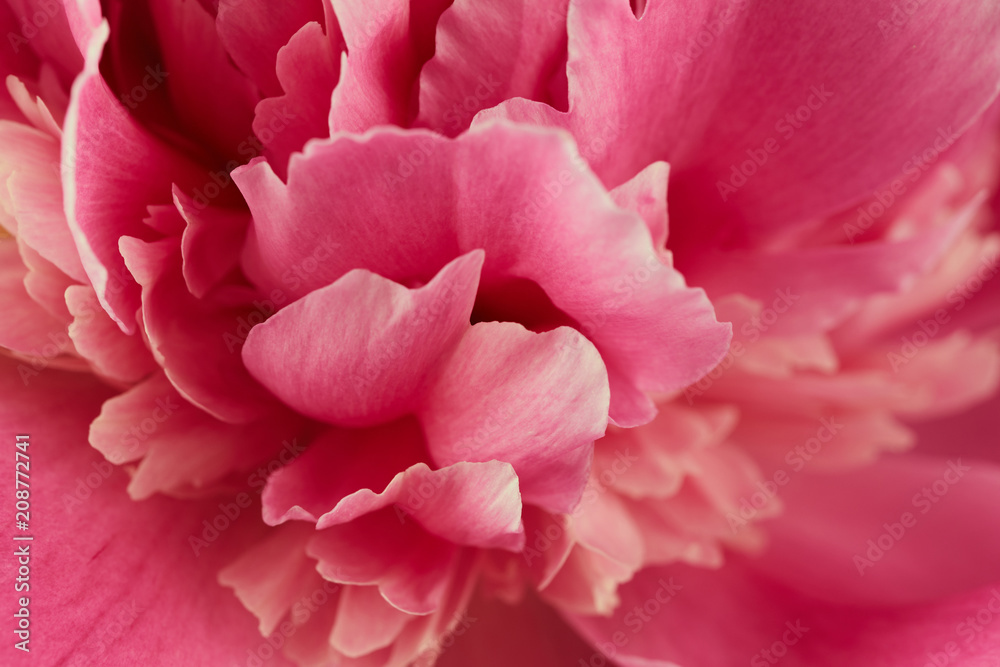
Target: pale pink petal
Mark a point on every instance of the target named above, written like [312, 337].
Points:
[35, 194]
[275, 573]
[646, 194]
[365, 622]
[26, 327]
[100, 341]
[360, 351]
[411, 567]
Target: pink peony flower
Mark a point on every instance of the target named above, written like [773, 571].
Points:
[368, 334]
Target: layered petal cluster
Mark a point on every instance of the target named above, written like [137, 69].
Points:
[575, 332]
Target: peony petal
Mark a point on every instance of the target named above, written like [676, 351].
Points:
[35, 195]
[112, 170]
[210, 243]
[253, 31]
[365, 622]
[271, 576]
[686, 616]
[594, 262]
[411, 567]
[905, 518]
[197, 342]
[813, 289]
[540, 401]
[212, 99]
[134, 565]
[359, 351]
[487, 52]
[705, 110]
[646, 194]
[27, 327]
[529, 634]
[101, 342]
[384, 41]
[308, 67]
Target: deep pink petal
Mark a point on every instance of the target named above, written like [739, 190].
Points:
[925, 512]
[385, 47]
[133, 565]
[253, 31]
[308, 67]
[706, 99]
[528, 634]
[487, 52]
[686, 616]
[212, 98]
[540, 400]
[211, 242]
[112, 170]
[196, 341]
